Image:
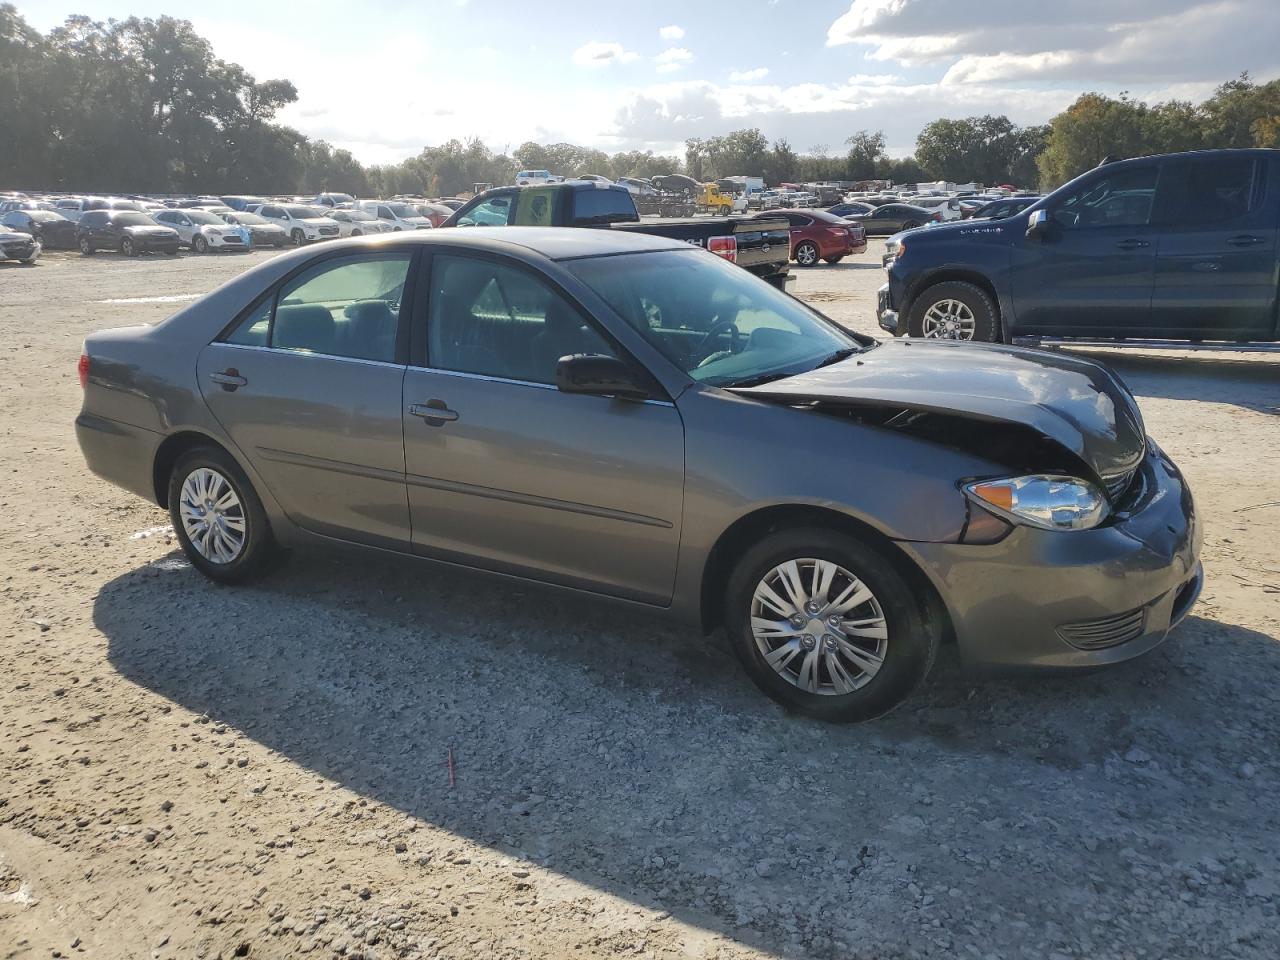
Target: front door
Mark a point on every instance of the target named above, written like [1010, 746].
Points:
[1216, 262]
[507, 473]
[308, 386]
[1092, 270]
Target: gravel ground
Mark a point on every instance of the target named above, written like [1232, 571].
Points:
[361, 759]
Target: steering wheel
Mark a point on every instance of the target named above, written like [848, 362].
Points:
[716, 330]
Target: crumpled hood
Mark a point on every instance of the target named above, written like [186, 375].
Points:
[1076, 403]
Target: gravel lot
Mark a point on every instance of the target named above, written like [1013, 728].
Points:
[195, 771]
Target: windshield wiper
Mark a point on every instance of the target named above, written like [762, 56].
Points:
[759, 380]
[839, 355]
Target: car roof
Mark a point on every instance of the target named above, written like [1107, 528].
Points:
[554, 243]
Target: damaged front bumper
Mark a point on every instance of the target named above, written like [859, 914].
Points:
[1043, 599]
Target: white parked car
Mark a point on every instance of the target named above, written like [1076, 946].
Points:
[396, 215]
[357, 223]
[203, 231]
[949, 207]
[334, 200]
[262, 233]
[302, 223]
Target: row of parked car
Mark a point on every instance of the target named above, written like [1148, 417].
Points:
[135, 225]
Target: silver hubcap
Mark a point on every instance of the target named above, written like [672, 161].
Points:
[948, 320]
[212, 516]
[819, 627]
[807, 255]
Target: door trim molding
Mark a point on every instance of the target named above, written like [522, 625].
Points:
[334, 466]
[510, 496]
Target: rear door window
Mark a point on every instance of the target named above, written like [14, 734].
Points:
[340, 308]
[1203, 192]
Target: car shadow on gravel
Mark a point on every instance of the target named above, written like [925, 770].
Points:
[1253, 384]
[634, 756]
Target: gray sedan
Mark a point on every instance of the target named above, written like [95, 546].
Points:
[629, 417]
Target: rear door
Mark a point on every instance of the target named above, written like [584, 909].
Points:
[1091, 273]
[1215, 270]
[507, 473]
[308, 387]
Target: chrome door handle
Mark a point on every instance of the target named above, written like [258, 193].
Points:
[434, 412]
[1246, 241]
[228, 379]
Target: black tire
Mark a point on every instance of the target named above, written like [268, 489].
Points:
[259, 547]
[986, 318]
[806, 253]
[912, 639]
[357, 233]
[833, 260]
[86, 247]
[128, 247]
[298, 237]
[910, 225]
[200, 245]
[279, 244]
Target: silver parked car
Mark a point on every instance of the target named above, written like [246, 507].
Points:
[627, 416]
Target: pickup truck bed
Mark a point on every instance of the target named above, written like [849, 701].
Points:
[760, 246]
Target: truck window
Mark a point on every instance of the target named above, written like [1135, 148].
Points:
[1213, 190]
[536, 207]
[1119, 199]
[603, 206]
[494, 212]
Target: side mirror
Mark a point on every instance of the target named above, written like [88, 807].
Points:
[1038, 225]
[599, 375]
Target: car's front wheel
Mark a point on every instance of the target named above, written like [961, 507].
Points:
[954, 310]
[298, 237]
[86, 247]
[128, 248]
[825, 625]
[217, 516]
[807, 253]
[200, 245]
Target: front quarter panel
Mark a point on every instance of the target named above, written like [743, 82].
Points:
[745, 455]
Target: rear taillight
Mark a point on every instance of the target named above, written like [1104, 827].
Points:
[726, 247]
[82, 368]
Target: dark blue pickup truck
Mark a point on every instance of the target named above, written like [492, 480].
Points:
[1180, 247]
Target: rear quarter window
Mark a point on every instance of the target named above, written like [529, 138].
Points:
[597, 206]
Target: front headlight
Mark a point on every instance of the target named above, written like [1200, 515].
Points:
[1042, 500]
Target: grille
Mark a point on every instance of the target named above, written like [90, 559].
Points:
[230, 239]
[1106, 632]
[328, 231]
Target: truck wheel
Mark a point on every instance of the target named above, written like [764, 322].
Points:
[954, 310]
[806, 253]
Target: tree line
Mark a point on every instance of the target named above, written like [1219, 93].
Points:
[144, 105]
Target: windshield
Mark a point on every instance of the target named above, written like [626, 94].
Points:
[200, 216]
[134, 220]
[402, 210]
[358, 215]
[304, 213]
[714, 320]
[44, 215]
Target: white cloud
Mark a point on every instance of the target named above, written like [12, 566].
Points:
[747, 76]
[672, 59]
[671, 32]
[597, 53]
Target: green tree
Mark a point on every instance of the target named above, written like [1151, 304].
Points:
[866, 149]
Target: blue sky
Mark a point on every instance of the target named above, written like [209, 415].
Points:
[385, 77]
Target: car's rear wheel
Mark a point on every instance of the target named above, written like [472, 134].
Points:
[357, 233]
[825, 625]
[127, 247]
[954, 310]
[297, 237]
[807, 253]
[200, 245]
[217, 516]
[86, 247]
